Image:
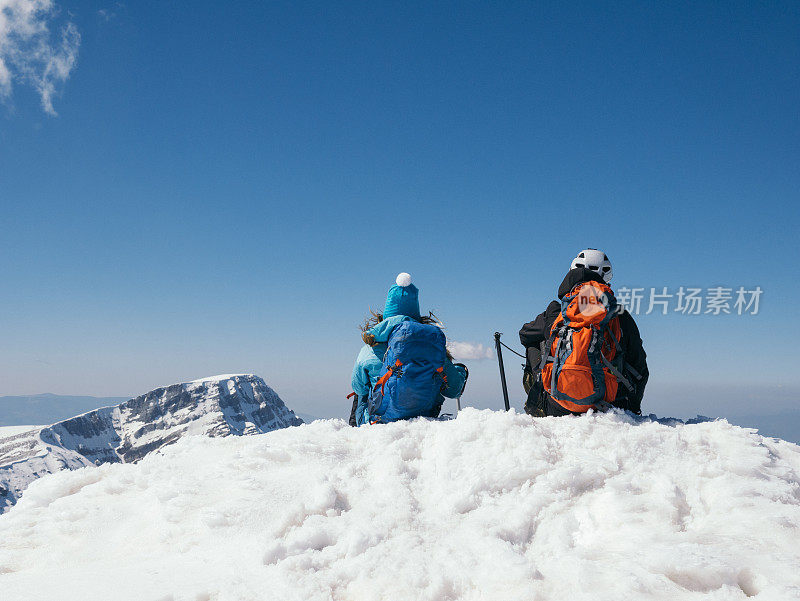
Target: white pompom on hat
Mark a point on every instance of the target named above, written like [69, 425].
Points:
[403, 279]
[402, 298]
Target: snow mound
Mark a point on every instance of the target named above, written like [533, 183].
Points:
[489, 506]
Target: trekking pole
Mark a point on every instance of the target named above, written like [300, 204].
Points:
[502, 368]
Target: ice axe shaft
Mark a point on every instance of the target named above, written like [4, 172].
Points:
[502, 368]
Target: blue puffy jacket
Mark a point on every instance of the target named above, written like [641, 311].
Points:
[370, 361]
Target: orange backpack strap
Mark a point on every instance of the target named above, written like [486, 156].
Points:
[440, 371]
[382, 382]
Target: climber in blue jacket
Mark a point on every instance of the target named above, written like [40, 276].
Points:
[402, 306]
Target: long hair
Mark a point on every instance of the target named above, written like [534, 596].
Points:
[374, 318]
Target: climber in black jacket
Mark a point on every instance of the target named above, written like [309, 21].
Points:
[589, 265]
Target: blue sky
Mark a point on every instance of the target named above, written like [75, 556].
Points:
[229, 187]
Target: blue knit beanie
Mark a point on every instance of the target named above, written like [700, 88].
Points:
[402, 299]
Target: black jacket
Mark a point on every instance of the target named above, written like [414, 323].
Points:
[537, 331]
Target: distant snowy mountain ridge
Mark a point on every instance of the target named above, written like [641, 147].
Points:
[217, 406]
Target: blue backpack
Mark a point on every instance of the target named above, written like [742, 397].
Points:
[412, 375]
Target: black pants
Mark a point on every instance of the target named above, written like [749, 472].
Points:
[352, 421]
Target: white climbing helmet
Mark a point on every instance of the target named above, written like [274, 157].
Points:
[596, 260]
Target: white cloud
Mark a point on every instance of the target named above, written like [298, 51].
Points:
[469, 351]
[30, 54]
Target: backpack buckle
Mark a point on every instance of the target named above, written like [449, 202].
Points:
[389, 373]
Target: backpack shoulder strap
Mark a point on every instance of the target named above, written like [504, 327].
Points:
[624, 364]
[617, 373]
[546, 346]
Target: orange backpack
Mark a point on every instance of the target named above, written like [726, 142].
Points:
[581, 366]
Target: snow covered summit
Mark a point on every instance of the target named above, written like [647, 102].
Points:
[490, 506]
[215, 407]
